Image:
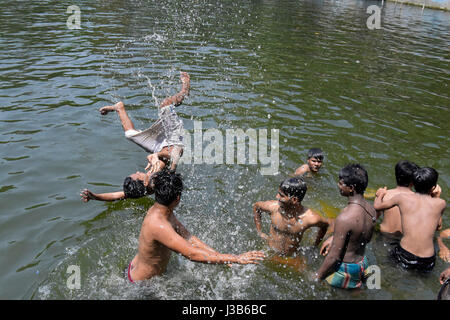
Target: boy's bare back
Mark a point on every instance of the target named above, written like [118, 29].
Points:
[421, 216]
[358, 223]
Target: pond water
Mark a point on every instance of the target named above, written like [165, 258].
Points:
[311, 69]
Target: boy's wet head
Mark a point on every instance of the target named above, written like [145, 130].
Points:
[404, 172]
[315, 159]
[292, 188]
[168, 186]
[425, 179]
[354, 175]
[134, 188]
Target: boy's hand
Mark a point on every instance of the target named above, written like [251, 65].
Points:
[436, 193]
[86, 195]
[185, 77]
[154, 164]
[444, 254]
[326, 246]
[251, 257]
[444, 275]
[381, 192]
[263, 235]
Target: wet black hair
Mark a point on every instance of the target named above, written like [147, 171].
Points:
[316, 153]
[424, 179]
[355, 175]
[134, 188]
[294, 187]
[168, 186]
[404, 171]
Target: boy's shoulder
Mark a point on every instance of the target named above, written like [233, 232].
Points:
[390, 193]
[400, 195]
[310, 212]
[439, 201]
[271, 205]
[302, 169]
[348, 214]
[305, 166]
[311, 215]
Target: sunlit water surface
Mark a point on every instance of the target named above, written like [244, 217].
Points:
[311, 69]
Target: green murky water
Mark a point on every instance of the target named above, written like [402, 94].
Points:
[311, 69]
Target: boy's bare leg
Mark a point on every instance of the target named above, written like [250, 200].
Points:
[127, 124]
[178, 98]
[175, 155]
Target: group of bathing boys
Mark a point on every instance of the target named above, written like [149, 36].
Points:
[413, 216]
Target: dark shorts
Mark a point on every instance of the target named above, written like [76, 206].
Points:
[410, 261]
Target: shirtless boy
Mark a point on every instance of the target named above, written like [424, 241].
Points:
[313, 163]
[163, 140]
[161, 233]
[289, 218]
[420, 216]
[392, 224]
[345, 264]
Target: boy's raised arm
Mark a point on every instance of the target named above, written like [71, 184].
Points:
[178, 98]
[258, 207]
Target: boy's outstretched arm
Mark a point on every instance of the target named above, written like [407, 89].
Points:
[178, 98]
[193, 240]
[167, 236]
[87, 195]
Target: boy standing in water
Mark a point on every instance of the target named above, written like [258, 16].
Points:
[313, 163]
[421, 216]
[404, 171]
[289, 218]
[161, 233]
[345, 264]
